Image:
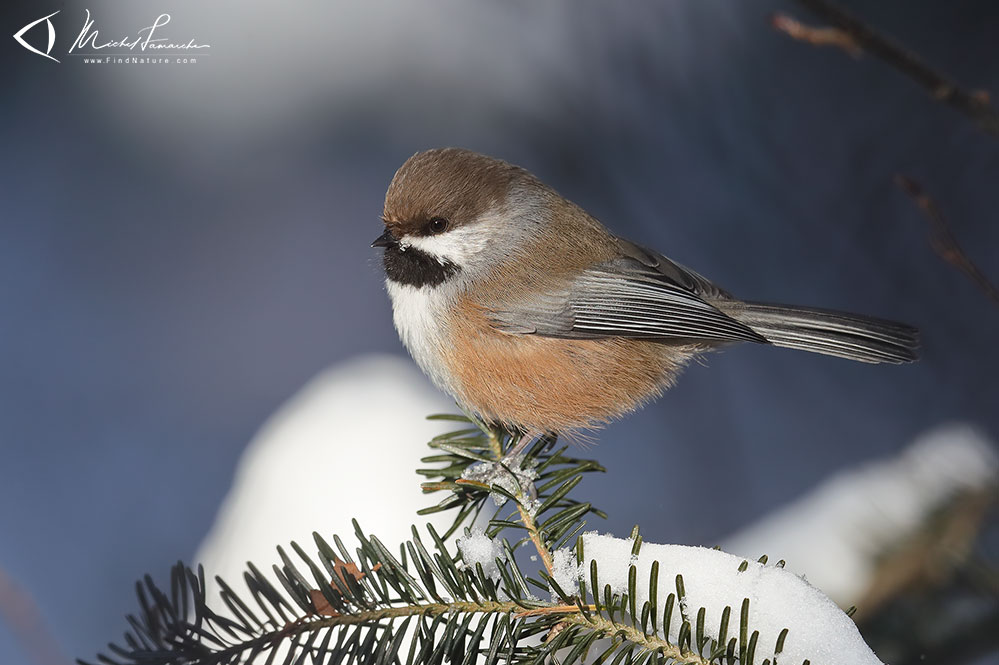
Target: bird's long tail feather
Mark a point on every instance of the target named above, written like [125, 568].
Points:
[829, 332]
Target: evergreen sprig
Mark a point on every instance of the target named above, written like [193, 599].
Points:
[424, 604]
[550, 475]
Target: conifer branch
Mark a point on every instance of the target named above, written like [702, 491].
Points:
[522, 501]
[429, 604]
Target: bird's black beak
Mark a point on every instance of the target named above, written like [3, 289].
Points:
[385, 240]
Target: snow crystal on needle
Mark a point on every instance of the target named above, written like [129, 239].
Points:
[818, 630]
[477, 547]
[565, 573]
[512, 475]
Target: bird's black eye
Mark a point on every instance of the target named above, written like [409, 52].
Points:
[437, 225]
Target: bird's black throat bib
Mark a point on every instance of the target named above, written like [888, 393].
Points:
[414, 267]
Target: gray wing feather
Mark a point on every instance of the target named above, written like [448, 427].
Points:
[671, 271]
[639, 295]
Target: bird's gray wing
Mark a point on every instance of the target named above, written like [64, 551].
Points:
[655, 263]
[639, 295]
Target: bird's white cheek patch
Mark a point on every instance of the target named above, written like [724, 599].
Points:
[463, 246]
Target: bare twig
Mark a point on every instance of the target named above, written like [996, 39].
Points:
[942, 239]
[974, 104]
[816, 36]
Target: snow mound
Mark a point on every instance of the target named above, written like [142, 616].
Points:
[835, 534]
[818, 630]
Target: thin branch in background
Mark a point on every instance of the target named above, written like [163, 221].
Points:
[975, 104]
[816, 36]
[942, 239]
[21, 614]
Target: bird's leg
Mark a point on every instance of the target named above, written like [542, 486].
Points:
[518, 448]
[514, 461]
[524, 439]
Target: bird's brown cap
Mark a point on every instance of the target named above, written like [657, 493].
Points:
[450, 183]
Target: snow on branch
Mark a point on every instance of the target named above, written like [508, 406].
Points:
[791, 621]
[436, 599]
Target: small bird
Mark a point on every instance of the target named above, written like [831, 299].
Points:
[533, 315]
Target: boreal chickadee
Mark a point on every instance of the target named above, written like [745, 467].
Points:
[533, 315]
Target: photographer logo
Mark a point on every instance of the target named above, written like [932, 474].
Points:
[19, 36]
[146, 45]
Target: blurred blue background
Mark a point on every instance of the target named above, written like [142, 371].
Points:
[182, 247]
